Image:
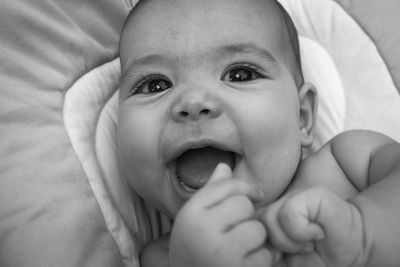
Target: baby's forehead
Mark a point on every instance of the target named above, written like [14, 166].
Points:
[155, 22]
[149, 15]
[181, 10]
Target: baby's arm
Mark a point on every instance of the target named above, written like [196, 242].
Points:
[216, 227]
[367, 225]
[316, 221]
[378, 204]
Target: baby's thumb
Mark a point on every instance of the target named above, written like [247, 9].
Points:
[222, 171]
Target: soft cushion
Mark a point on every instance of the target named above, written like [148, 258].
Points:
[49, 215]
[380, 20]
[372, 100]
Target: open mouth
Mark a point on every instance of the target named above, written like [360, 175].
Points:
[194, 167]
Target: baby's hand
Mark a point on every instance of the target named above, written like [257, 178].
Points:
[217, 226]
[313, 224]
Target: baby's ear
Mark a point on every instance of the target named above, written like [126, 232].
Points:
[308, 112]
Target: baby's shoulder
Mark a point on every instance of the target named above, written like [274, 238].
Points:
[359, 140]
[321, 169]
[347, 156]
[354, 150]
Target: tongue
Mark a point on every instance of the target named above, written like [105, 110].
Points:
[194, 167]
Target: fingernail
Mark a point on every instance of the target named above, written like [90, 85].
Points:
[223, 168]
[276, 257]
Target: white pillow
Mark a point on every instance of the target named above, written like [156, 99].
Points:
[372, 100]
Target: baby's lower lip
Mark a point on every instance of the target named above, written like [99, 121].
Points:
[182, 192]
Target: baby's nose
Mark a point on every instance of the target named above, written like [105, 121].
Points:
[195, 106]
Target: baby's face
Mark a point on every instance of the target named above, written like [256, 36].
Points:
[206, 82]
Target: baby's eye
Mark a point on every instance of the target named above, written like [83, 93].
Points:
[152, 85]
[241, 74]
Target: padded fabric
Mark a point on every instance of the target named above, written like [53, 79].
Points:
[372, 100]
[380, 20]
[61, 202]
[49, 215]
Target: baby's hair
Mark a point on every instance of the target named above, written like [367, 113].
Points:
[294, 43]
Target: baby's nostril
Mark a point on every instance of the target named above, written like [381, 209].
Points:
[205, 112]
[184, 114]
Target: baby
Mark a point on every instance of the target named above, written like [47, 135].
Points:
[218, 83]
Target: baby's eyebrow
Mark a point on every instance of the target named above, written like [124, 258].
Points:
[147, 60]
[133, 65]
[223, 51]
[245, 48]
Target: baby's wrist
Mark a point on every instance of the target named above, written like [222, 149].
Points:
[365, 244]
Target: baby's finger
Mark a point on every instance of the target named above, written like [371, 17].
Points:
[297, 217]
[301, 260]
[232, 211]
[222, 171]
[259, 258]
[251, 234]
[321, 213]
[277, 235]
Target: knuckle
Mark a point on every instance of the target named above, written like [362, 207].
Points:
[239, 184]
[256, 230]
[243, 203]
[286, 213]
[259, 229]
[260, 258]
[265, 256]
[242, 186]
[189, 210]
